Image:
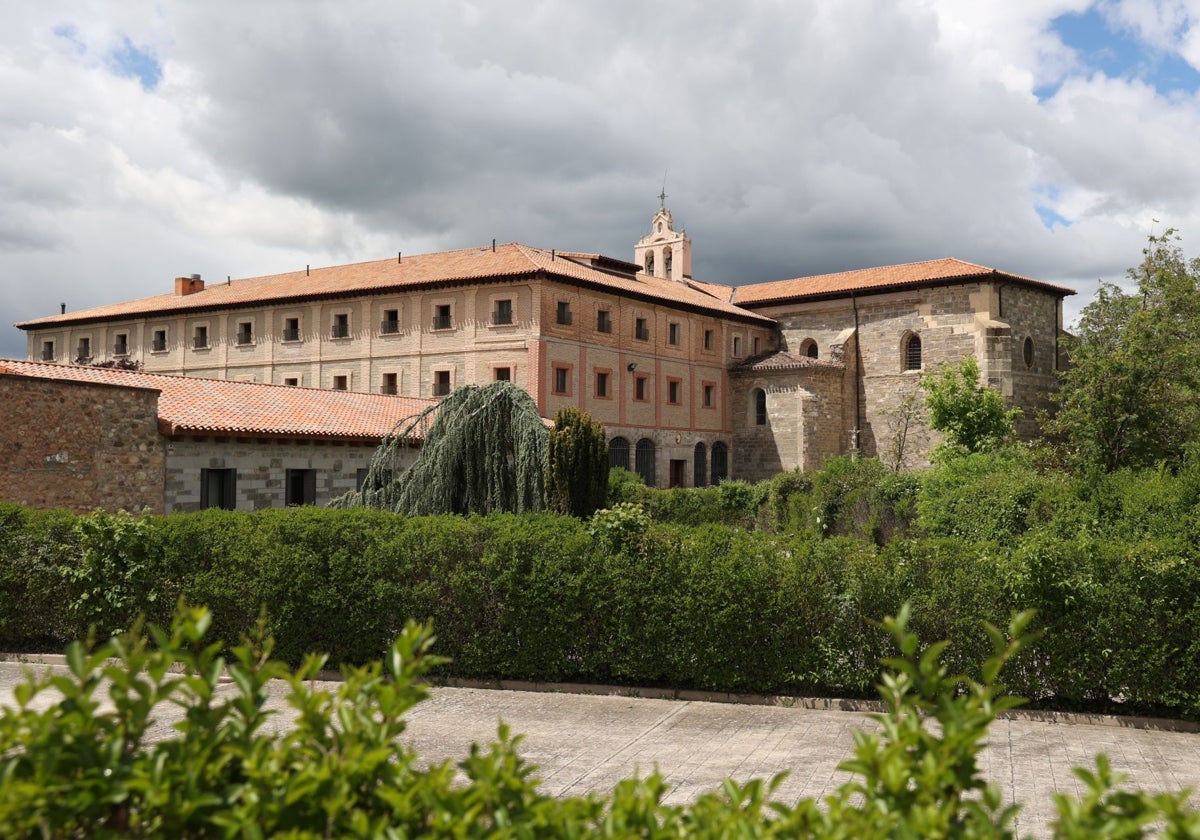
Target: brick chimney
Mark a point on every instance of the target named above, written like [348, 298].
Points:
[188, 285]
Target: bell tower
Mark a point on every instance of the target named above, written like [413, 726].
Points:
[664, 252]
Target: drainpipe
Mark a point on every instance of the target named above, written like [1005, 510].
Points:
[857, 379]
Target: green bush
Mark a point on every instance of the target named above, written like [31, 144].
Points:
[988, 497]
[84, 767]
[861, 497]
[624, 599]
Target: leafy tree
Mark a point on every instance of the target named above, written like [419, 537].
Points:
[576, 464]
[905, 421]
[483, 449]
[1129, 397]
[972, 416]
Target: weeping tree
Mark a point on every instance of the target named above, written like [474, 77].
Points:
[576, 464]
[483, 449]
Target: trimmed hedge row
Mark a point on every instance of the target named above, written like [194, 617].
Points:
[540, 598]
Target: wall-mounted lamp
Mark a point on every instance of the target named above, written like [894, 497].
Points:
[631, 367]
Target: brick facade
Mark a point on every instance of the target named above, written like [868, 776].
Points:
[652, 355]
[80, 446]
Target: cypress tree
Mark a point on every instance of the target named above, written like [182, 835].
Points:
[576, 464]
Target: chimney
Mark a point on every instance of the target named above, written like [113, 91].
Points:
[188, 285]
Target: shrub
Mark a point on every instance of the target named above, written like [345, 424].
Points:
[624, 486]
[861, 497]
[576, 464]
[84, 767]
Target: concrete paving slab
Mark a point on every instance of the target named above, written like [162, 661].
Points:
[588, 742]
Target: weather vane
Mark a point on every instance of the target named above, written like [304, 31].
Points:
[662, 196]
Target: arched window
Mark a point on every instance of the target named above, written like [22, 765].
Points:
[809, 348]
[667, 263]
[700, 465]
[644, 461]
[650, 263]
[618, 453]
[912, 352]
[1027, 352]
[760, 406]
[720, 462]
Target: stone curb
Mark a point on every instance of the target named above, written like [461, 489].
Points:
[820, 704]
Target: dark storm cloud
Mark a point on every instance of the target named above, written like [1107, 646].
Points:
[796, 138]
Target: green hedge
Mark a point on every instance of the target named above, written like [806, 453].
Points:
[82, 767]
[538, 597]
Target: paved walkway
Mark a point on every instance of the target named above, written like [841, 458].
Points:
[584, 743]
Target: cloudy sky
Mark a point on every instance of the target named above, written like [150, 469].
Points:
[140, 141]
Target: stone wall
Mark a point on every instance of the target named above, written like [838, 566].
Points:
[80, 446]
[1036, 316]
[262, 466]
[804, 421]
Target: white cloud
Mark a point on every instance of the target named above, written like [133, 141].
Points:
[798, 137]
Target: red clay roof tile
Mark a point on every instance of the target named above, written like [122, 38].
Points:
[883, 278]
[782, 360]
[193, 405]
[469, 265]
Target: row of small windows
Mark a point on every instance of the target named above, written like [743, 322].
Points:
[218, 487]
[645, 459]
[443, 319]
[561, 386]
[389, 383]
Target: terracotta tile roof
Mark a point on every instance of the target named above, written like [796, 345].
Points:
[884, 278]
[782, 360]
[657, 289]
[470, 265]
[192, 405]
[717, 290]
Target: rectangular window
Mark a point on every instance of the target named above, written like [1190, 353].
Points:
[562, 380]
[391, 322]
[121, 344]
[601, 383]
[391, 383]
[708, 340]
[603, 321]
[563, 314]
[47, 351]
[200, 338]
[756, 345]
[291, 329]
[84, 348]
[441, 383]
[673, 333]
[640, 389]
[737, 345]
[245, 333]
[674, 391]
[341, 383]
[503, 374]
[159, 344]
[503, 313]
[291, 380]
[442, 319]
[341, 326]
[301, 487]
[218, 489]
[710, 395]
[641, 330]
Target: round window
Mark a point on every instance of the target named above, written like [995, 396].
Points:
[1027, 352]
